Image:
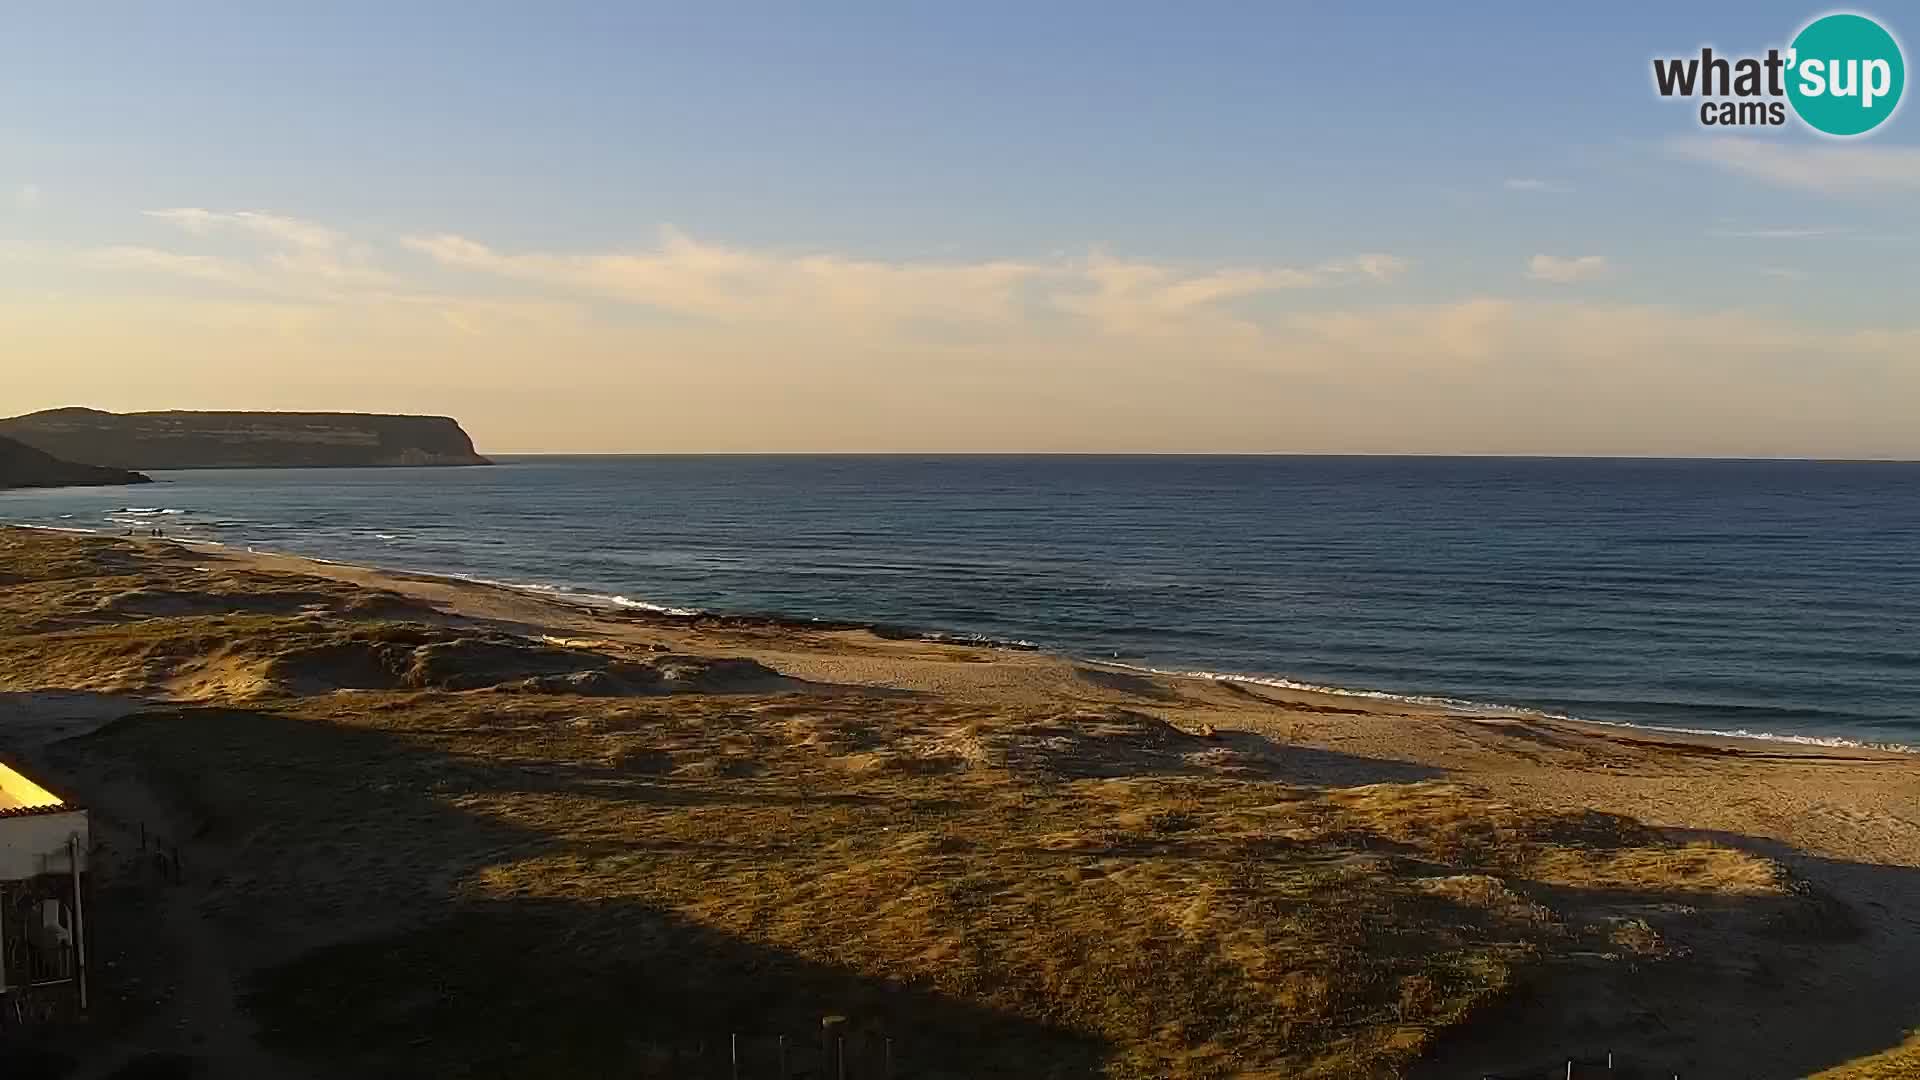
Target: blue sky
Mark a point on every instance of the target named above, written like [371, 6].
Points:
[1465, 143]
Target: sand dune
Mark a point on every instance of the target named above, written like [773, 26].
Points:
[442, 829]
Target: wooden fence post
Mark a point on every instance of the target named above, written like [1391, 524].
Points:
[79, 921]
[830, 1029]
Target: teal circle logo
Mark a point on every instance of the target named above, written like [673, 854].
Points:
[1845, 75]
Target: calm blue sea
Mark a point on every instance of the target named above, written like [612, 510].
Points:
[1760, 597]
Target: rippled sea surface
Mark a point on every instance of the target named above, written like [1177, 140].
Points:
[1765, 597]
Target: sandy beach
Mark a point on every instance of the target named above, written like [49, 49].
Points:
[991, 861]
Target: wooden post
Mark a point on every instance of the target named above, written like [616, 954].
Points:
[783, 1057]
[830, 1029]
[79, 920]
[887, 1050]
[840, 1052]
[736, 1055]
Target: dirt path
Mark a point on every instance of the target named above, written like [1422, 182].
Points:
[182, 971]
[200, 1020]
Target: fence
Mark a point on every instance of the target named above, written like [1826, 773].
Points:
[1596, 1068]
[836, 1053]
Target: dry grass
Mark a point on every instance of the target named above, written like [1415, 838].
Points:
[441, 881]
[1174, 922]
[1899, 1063]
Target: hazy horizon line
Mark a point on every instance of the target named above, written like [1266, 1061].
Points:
[1197, 454]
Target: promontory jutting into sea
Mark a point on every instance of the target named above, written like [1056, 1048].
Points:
[958, 542]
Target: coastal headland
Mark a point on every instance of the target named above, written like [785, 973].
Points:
[421, 826]
[23, 466]
[180, 439]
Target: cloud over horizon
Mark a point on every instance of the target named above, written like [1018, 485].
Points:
[1827, 168]
[693, 345]
[294, 256]
[1530, 183]
[691, 277]
[1567, 270]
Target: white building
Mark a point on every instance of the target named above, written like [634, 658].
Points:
[43, 864]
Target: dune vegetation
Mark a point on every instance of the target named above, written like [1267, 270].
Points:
[431, 846]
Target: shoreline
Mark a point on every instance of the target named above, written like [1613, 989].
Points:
[614, 604]
[1496, 710]
[541, 764]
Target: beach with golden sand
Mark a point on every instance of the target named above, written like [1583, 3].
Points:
[416, 826]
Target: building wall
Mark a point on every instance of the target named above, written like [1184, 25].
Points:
[35, 844]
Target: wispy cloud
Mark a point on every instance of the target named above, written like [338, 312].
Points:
[692, 277]
[1376, 266]
[297, 260]
[689, 277]
[26, 197]
[290, 231]
[1459, 335]
[1820, 167]
[777, 350]
[1566, 270]
[1784, 273]
[1529, 183]
[1773, 234]
[298, 248]
[154, 260]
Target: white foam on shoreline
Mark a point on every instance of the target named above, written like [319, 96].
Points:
[1455, 705]
[1281, 683]
[1491, 709]
[1835, 741]
[945, 638]
[573, 596]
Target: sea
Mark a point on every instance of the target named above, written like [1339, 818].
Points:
[1776, 599]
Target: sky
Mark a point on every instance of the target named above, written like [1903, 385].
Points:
[921, 227]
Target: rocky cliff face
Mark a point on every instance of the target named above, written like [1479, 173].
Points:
[22, 466]
[214, 440]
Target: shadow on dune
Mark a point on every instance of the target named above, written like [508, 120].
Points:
[339, 860]
[1770, 987]
[1313, 767]
[1141, 686]
[1123, 742]
[541, 988]
[30, 720]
